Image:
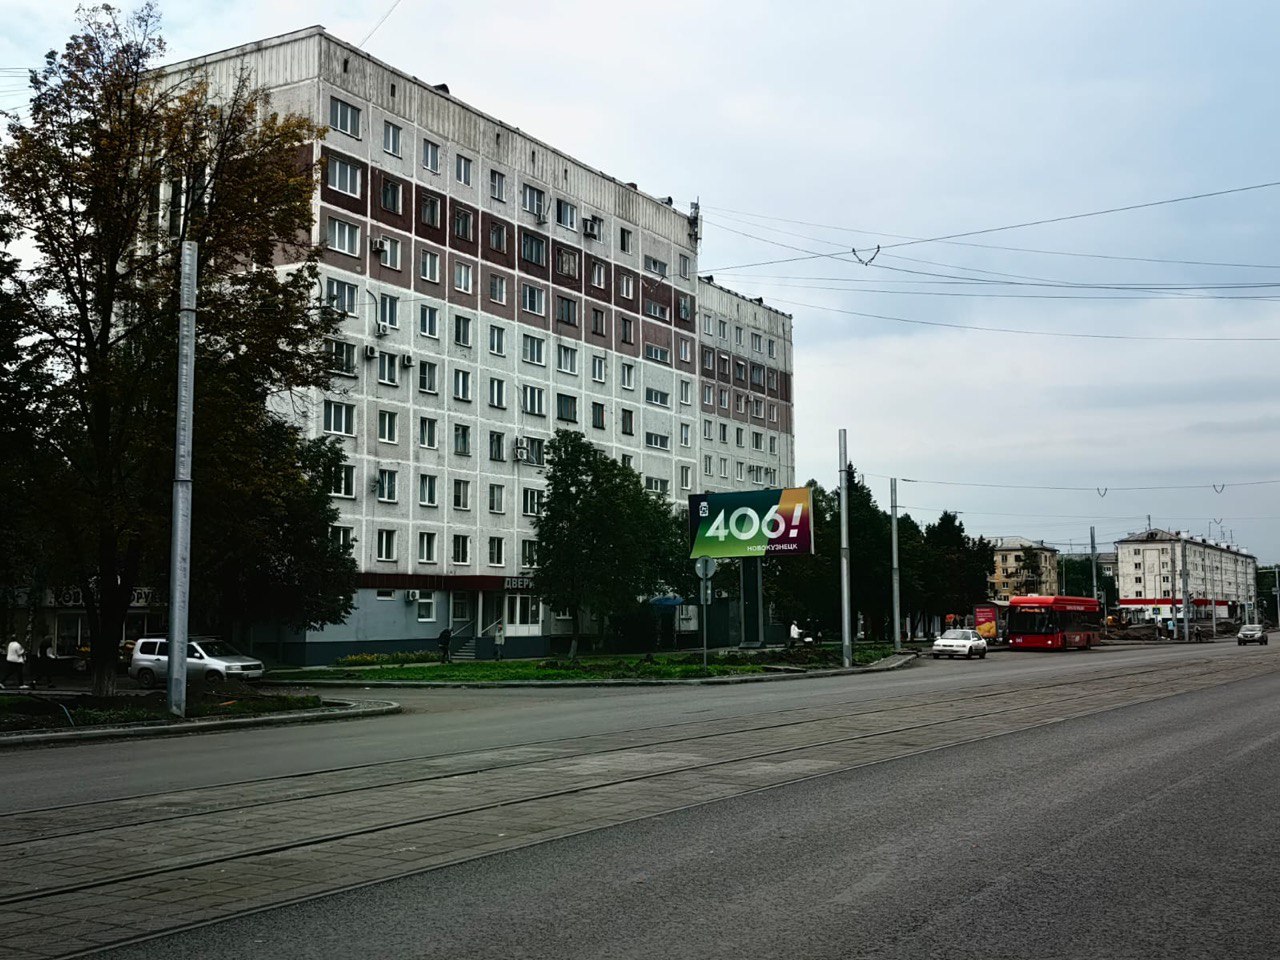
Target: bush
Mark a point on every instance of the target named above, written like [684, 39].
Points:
[387, 659]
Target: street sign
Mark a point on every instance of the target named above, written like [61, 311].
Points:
[705, 566]
[753, 523]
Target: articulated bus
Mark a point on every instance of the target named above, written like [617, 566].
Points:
[1053, 623]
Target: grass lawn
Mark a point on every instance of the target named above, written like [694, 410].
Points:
[660, 667]
[22, 712]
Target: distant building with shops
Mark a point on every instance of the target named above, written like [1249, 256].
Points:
[1023, 567]
[1149, 576]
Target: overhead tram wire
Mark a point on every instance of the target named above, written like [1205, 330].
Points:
[1218, 487]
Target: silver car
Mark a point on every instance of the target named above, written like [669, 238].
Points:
[207, 657]
[960, 643]
[1251, 633]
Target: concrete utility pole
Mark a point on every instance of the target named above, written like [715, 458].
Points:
[893, 526]
[180, 552]
[846, 636]
[1093, 559]
[1186, 587]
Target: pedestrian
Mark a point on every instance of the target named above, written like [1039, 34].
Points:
[499, 641]
[1199, 637]
[45, 662]
[445, 636]
[795, 633]
[15, 661]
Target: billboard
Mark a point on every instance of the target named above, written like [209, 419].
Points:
[986, 620]
[754, 523]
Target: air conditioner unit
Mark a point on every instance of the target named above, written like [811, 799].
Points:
[591, 228]
[406, 361]
[379, 245]
[522, 454]
[542, 218]
[410, 596]
[371, 352]
[382, 329]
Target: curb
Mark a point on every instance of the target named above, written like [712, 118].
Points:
[889, 663]
[341, 710]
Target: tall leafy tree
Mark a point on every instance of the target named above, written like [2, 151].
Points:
[115, 165]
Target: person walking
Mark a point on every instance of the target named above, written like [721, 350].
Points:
[15, 660]
[445, 636]
[795, 634]
[499, 641]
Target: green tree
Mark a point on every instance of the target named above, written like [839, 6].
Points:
[117, 163]
[1078, 580]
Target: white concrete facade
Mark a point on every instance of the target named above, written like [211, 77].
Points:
[1149, 575]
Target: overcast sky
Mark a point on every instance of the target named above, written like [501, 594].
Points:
[869, 123]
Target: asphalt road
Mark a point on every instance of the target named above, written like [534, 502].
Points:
[1144, 832]
[447, 721]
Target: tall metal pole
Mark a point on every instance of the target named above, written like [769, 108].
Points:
[180, 554]
[897, 604]
[1093, 560]
[846, 634]
[1186, 590]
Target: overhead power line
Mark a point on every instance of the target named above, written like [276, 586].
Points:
[1100, 489]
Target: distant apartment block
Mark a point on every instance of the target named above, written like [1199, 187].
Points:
[1149, 568]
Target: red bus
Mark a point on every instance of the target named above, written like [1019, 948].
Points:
[1053, 623]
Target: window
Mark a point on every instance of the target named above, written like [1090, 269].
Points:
[340, 418]
[497, 340]
[739, 470]
[628, 422]
[533, 249]
[707, 430]
[344, 117]
[757, 342]
[460, 603]
[387, 491]
[597, 322]
[737, 335]
[462, 225]
[724, 399]
[388, 426]
[724, 467]
[533, 200]
[462, 440]
[773, 445]
[737, 436]
[654, 485]
[388, 368]
[498, 237]
[427, 432]
[497, 445]
[342, 356]
[528, 557]
[706, 465]
[686, 392]
[757, 440]
[709, 394]
[566, 214]
[462, 494]
[341, 296]
[344, 237]
[342, 537]
[686, 351]
[431, 211]
[626, 329]
[387, 545]
[683, 306]
[390, 138]
[684, 266]
[462, 385]
[429, 321]
[686, 435]
[597, 369]
[429, 266]
[654, 265]
[531, 502]
[773, 348]
[427, 380]
[659, 398]
[566, 408]
[657, 310]
[497, 495]
[461, 551]
[533, 299]
[597, 415]
[772, 379]
[628, 377]
[427, 490]
[497, 185]
[532, 349]
[724, 364]
[625, 460]
[389, 310]
[567, 263]
[536, 450]
[497, 393]
[724, 433]
[757, 375]
[567, 311]
[773, 413]
[344, 177]
[431, 155]
[626, 286]
[757, 407]
[624, 240]
[462, 169]
[343, 482]
[462, 330]
[427, 554]
[495, 551]
[533, 400]
[658, 441]
[567, 359]
[597, 274]
[656, 353]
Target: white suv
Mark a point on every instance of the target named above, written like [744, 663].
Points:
[206, 656]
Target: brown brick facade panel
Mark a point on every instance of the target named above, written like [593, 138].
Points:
[464, 241]
[429, 203]
[507, 310]
[566, 266]
[459, 298]
[594, 269]
[624, 324]
[336, 198]
[597, 325]
[336, 259]
[621, 278]
[540, 270]
[506, 256]
[385, 189]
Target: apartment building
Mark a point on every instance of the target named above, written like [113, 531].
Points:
[1023, 567]
[1149, 568]
[494, 290]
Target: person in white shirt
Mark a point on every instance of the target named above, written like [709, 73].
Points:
[795, 633]
[15, 662]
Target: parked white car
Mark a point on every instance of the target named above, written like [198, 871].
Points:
[960, 643]
[206, 657]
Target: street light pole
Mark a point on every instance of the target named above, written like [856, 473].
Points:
[1186, 588]
[897, 601]
[846, 636]
[180, 552]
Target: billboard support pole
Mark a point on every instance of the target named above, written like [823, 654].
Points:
[897, 600]
[1186, 600]
[846, 637]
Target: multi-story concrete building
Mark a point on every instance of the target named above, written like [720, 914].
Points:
[496, 289]
[1023, 567]
[1149, 568]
